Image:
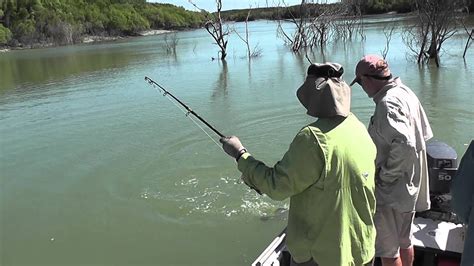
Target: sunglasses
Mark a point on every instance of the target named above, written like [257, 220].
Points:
[371, 76]
[377, 77]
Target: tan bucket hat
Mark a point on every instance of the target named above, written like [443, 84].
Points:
[324, 93]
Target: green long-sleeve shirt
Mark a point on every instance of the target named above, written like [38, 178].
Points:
[328, 173]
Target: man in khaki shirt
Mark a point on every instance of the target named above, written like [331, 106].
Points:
[399, 129]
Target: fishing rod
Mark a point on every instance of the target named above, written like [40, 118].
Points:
[188, 110]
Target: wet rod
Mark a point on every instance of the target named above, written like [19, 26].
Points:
[189, 110]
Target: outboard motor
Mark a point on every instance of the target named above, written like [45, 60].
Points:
[442, 166]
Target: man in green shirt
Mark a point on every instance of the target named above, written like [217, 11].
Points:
[328, 174]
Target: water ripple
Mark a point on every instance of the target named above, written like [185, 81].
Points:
[227, 197]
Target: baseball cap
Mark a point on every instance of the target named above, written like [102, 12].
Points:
[372, 66]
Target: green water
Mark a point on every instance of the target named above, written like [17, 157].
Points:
[97, 168]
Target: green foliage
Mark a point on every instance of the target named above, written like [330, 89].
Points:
[95, 20]
[124, 19]
[65, 21]
[5, 35]
[171, 17]
[383, 6]
[272, 13]
[24, 30]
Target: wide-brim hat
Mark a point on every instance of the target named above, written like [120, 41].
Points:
[324, 93]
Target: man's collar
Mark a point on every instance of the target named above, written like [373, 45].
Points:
[390, 84]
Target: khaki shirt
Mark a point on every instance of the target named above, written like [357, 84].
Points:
[399, 129]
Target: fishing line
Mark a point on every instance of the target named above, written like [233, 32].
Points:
[185, 109]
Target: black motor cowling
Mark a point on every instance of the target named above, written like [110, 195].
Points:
[442, 166]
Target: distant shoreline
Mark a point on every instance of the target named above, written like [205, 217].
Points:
[86, 39]
[95, 38]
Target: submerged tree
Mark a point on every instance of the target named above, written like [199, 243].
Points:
[436, 21]
[468, 43]
[214, 27]
[171, 41]
[299, 38]
[352, 18]
[316, 23]
[388, 32]
[256, 51]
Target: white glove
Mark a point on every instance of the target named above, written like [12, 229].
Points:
[233, 146]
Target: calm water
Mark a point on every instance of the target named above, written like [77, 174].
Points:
[97, 168]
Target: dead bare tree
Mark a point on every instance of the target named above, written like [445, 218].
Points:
[214, 27]
[469, 38]
[352, 20]
[345, 27]
[437, 21]
[256, 51]
[388, 32]
[171, 41]
[321, 26]
[414, 37]
[246, 39]
[298, 39]
[313, 23]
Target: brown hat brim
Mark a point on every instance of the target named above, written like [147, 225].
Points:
[356, 79]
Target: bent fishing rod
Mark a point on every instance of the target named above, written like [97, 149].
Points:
[188, 110]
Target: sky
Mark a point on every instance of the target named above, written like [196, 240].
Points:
[210, 5]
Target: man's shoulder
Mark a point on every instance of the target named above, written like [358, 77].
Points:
[401, 93]
[395, 97]
[328, 125]
[401, 99]
[307, 131]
